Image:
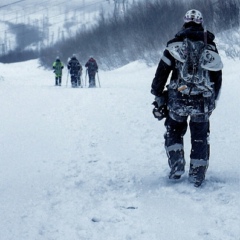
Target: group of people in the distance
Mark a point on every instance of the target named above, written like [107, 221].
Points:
[75, 70]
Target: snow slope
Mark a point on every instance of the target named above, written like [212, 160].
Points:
[90, 164]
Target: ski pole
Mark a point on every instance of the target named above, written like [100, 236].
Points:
[79, 79]
[86, 78]
[98, 80]
[67, 78]
[82, 82]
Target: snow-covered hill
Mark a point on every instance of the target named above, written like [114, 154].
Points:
[90, 164]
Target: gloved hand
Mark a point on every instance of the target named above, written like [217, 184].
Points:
[160, 110]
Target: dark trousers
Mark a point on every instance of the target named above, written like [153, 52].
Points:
[92, 82]
[174, 144]
[58, 81]
[74, 80]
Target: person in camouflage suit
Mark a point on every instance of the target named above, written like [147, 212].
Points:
[179, 103]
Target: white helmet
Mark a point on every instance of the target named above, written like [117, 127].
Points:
[193, 15]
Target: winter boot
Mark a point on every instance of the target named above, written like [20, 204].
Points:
[92, 82]
[74, 82]
[177, 168]
[176, 160]
[174, 146]
[197, 172]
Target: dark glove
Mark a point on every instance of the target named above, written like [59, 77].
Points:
[160, 110]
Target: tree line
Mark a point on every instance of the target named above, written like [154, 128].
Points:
[139, 33]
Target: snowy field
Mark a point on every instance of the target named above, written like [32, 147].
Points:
[90, 164]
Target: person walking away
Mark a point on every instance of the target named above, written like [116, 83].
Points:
[92, 69]
[58, 66]
[196, 78]
[74, 68]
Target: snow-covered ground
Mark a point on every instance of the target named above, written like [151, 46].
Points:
[90, 164]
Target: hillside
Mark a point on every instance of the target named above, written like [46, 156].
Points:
[54, 20]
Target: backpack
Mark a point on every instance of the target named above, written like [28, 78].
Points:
[74, 65]
[92, 66]
[58, 67]
[194, 60]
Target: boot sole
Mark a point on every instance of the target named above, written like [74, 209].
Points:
[176, 175]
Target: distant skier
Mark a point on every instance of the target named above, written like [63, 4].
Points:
[75, 69]
[92, 69]
[58, 66]
[193, 90]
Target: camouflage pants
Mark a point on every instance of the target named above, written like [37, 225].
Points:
[180, 106]
[174, 143]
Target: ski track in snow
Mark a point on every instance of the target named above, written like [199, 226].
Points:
[90, 163]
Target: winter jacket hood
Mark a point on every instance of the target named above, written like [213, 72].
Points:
[92, 60]
[194, 32]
